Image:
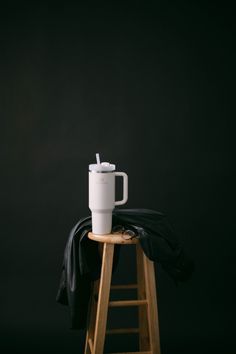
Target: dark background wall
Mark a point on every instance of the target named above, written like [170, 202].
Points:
[149, 86]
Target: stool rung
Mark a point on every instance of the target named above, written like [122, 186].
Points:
[124, 286]
[133, 353]
[122, 330]
[123, 303]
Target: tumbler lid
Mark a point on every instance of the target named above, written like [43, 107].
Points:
[101, 167]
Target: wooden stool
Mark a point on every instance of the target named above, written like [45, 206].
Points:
[149, 340]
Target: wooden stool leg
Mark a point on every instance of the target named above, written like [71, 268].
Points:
[92, 317]
[153, 324]
[144, 343]
[103, 298]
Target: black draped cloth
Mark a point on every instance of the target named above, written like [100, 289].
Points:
[82, 263]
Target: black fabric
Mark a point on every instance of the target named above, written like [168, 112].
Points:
[82, 263]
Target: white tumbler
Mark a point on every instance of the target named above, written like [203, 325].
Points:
[102, 195]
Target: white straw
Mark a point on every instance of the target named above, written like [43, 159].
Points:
[98, 159]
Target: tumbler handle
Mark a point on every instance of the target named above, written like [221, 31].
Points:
[125, 188]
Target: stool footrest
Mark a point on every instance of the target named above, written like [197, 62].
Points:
[132, 353]
[123, 303]
[122, 330]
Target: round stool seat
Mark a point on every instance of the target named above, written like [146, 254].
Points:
[112, 238]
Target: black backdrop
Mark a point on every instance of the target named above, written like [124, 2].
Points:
[149, 87]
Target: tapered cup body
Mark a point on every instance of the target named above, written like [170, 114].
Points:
[101, 200]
